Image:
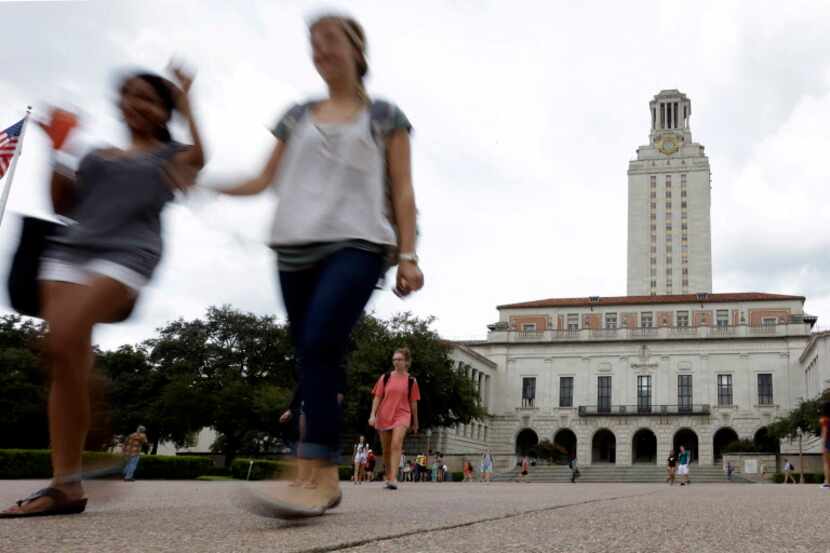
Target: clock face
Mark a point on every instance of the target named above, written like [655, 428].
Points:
[668, 143]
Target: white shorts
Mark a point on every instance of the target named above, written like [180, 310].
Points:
[62, 271]
[682, 470]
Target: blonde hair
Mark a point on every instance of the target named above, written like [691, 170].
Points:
[407, 355]
[357, 37]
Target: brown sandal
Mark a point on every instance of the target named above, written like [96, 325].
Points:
[61, 505]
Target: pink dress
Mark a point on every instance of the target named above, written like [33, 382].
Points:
[394, 409]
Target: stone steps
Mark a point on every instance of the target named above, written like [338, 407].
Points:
[614, 473]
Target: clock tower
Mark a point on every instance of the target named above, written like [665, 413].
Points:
[669, 199]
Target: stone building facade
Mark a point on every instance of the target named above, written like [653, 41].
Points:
[625, 379]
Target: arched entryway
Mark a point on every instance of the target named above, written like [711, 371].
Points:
[565, 442]
[722, 438]
[604, 447]
[644, 447]
[687, 438]
[765, 443]
[526, 440]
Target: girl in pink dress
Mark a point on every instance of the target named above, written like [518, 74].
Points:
[395, 411]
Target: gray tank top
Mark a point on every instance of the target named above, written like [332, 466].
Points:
[118, 203]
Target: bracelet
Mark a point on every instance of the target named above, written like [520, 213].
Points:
[409, 256]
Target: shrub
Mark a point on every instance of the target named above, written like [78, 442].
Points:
[345, 472]
[36, 463]
[262, 470]
[163, 467]
[456, 476]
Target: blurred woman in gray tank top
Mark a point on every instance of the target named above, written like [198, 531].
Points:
[93, 270]
[346, 202]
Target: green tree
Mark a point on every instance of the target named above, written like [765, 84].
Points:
[163, 398]
[804, 416]
[23, 385]
[242, 367]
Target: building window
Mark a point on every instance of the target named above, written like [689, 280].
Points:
[573, 322]
[653, 180]
[765, 389]
[644, 393]
[684, 392]
[647, 319]
[529, 327]
[610, 320]
[604, 394]
[668, 180]
[528, 391]
[683, 193]
[683, 180]
[722, 317]
[485, 433]
[725, 390]
[566, 391]
[769, 321]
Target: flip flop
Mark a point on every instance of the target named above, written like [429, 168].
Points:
[61, 505]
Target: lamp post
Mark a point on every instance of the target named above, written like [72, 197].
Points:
[800, 457]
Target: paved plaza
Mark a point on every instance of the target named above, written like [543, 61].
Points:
[205, 517]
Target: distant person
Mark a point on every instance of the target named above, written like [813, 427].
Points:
[730, 469]
[671, 468]
[361, 450]
[683, 465]
[524, 466]
[395, 411]
[401, 466]
[371, 460]
[132, 450]
[824, 424]
[574, 469]
[486, 468]
[468, 471]
[788, 472]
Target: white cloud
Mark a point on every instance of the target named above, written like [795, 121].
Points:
[525, 120]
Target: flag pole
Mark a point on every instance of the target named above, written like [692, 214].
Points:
[17, 151]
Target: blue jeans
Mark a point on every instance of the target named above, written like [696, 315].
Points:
[323, 304]
[129, 469]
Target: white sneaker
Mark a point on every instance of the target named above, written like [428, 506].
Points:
[825, 486]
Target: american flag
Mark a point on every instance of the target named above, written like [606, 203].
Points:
[8, 145]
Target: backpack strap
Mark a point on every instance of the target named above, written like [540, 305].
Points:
[386, 377]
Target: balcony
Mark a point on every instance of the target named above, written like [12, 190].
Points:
[502, 334]
[643, 411]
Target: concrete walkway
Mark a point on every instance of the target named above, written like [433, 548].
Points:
[457, 517]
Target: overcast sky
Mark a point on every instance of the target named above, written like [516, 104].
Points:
[525, 120]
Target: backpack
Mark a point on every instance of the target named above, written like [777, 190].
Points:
[409, 384]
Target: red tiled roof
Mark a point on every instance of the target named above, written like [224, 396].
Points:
[645, 300]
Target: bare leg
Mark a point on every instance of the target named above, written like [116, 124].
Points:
[386, 445]
[71, 311]
[397, 436]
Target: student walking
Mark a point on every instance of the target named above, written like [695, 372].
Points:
[574, 469]
[525, 469]
[359, 454]
[395, 411]
[486, 468]
[683, 465]
[788, 472]
[341, 170]
[671, 468]
[133, 445]
[94, 270]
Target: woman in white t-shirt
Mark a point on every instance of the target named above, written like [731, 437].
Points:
[359, 457]
[341, 170]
